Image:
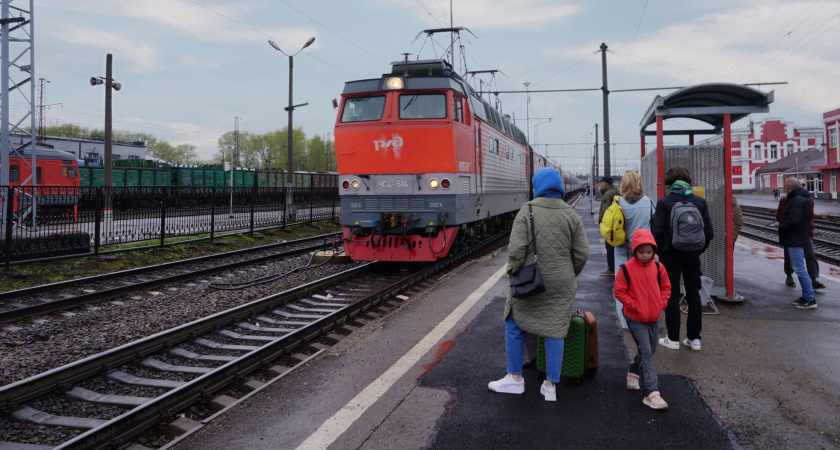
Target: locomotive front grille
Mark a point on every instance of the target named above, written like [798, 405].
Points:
[398, 204]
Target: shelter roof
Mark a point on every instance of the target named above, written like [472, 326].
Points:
[707, 103]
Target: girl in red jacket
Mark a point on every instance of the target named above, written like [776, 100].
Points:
[642, 286]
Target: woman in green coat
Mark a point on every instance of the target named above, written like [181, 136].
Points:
[563, 250]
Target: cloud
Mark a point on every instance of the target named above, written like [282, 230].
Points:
[493, 14]
[201, 62]
[768, 42]
[142, 57]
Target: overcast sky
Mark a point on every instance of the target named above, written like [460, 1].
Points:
[189, 67]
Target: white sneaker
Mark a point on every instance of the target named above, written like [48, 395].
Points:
[550, 393]
[507, 385]
[693, 343]
[667, 343]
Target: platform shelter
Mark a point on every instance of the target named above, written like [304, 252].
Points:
[716, 105]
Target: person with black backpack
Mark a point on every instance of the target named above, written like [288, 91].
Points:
[683, 230]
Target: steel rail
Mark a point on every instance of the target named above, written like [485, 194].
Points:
[72, 302]
[21, 391]
[142, 417]
[145, 269]
[774, 241]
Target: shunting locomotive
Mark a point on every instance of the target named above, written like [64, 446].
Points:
[425, 164]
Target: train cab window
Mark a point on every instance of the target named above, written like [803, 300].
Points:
[14, 173]
[73, 172]
[40, 180]
[363, 109]
[423, 106]
[65, 171]
[458, 109]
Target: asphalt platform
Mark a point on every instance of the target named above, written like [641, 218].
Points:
[417, 377]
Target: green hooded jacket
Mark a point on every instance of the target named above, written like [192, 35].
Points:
[562, 250]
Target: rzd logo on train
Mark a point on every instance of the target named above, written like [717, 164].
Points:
[395, 143]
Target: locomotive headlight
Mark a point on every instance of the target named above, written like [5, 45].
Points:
[355, 184]
[433, 183]
[394, 83]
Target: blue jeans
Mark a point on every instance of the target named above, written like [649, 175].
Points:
[515, 348]
[797, 260]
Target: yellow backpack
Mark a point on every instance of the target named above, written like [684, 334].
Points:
[613, 226]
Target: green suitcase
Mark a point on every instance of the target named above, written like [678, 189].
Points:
[580, 348]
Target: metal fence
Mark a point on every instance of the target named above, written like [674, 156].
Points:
[70, 220]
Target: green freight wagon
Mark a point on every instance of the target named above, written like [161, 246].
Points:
[222, 178]
[210, 177]
[197, 177]
[249, 178]
[237, 178]
[85, 176]
[147, 177]
[182, 176]
[262, 178]
[132, 177]
[117, 176]
[97, 176]
[163, 177]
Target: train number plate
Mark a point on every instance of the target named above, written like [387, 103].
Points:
[393, 184]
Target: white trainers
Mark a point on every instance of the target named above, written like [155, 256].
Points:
[507, 385]
[550, 393]
[667, 343]
[693, 343]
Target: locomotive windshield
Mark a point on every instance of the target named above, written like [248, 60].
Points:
[425, 106]
[363, 109]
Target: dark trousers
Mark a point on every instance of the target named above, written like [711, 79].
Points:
[688, 266]
[810, 261]
[610, 256]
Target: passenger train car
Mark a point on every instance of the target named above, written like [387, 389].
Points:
[56, 176]
[424, 164]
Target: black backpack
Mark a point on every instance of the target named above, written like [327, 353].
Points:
[687, 227]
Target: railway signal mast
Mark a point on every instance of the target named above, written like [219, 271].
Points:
[16, 31]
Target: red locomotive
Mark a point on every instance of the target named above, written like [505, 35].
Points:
[426, 164]
[57, 181]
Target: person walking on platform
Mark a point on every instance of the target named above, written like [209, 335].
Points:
[811, 262]
[644, 296]
[563, 251]
[794, 235]
[638, 210]
[608, 193]
[680, 241]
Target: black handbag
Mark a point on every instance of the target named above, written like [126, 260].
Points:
[527, 281]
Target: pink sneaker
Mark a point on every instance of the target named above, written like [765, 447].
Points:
[655, 401]
[632, 381]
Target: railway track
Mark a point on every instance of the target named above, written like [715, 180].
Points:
[105, 400]
[826, 250]
[29, 302]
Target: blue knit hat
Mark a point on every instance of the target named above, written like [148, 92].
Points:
[547, 183]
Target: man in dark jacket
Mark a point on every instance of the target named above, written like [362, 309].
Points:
[794, 234]
[608, 193]
[810, 257]
[678, 262]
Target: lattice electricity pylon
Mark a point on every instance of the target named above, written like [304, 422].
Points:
[17, 74]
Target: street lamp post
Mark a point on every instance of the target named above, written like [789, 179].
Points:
[290, 109]
[109, 83]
